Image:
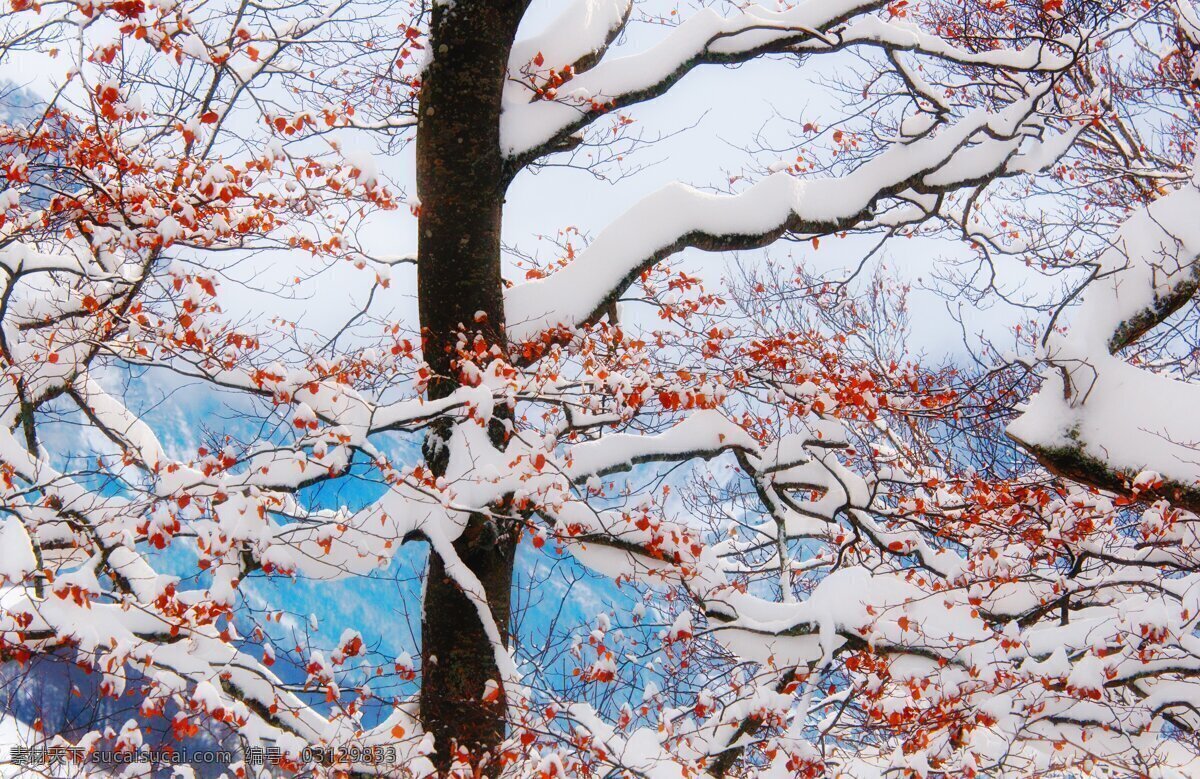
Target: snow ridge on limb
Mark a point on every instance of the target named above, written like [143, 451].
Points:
[536, 123]
[579, 37]
[1098, 418]
[17, 258]
[115, 420]
[979, 146]
[701, 433]
[530, 122]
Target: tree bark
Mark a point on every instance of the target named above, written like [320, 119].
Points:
[461, 179]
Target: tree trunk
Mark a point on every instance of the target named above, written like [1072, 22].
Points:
[461, 180]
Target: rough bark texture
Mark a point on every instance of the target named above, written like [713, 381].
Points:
[460, 182]
[457, 657]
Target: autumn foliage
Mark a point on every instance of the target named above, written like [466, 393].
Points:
[822, 551]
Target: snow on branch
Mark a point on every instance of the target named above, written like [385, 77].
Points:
[535, 121]
[578, 37]
[1098, 418]
[979, 146]
[700, 434]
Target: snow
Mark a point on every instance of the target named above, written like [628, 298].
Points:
[109, 412]
[17, 560]
[19, 257]
[1093, 401]
[704, 36]
[677, 216]
[194, 46]
[237, 505]
[701, 434]
[581, 29]
[170, 229]
[364, 161]
[208, 697]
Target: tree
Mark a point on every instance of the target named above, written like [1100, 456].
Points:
[841, 587]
